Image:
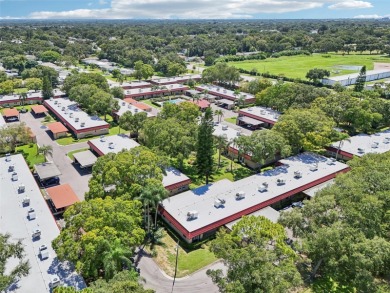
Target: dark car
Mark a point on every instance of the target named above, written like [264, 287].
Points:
[51, 181]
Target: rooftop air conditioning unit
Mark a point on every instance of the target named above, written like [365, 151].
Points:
[240, 195]
[140, 90]
[111, 145]
[250, 109]
[192, 215]
[26, 201]
[11, 168]
[281, 181]
[8, 157]
[136, 110]
[224, 91]
[66, 111]
[238, 133]
[55, 102]
[361, 151]
[331, 161]
[51, 99]
[70, 115]
[314, 167]
[102, 138]
[129, 106]
[76, 119]
[21, 188]
[14, 176]
[386, 140]
[218, 203]
[63, 109]
[263, 187]
[123, 103]
[36, 233]
[82, 124]
[31, 214]
[224, 127]
[276, 116]
[375, 145]
[297, 174]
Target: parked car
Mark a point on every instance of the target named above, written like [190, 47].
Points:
[297, 204]
[54, 281]
[43, 251]
[51, 181]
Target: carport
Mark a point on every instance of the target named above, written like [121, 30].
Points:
[11, 113]
[57, 129]
[228, 104]
[85, 159]
[39, 110]
[47, 170]
[249, 122]
[62, 197]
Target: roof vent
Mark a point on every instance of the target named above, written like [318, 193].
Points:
[82, 124]
[111, 145]
[26, 201]
[63, 109]
[219, 202]
[297, 174]
[361, 151]
[224, 127]
[314, 167]
[263, 187]
[55, 102]
[76, 119]
[11, 168]
[102, 138]
[386, 140]
[375, 145]
[240, 195]
[280, 181]
[21, 188]
[14, 176]
[8, 157]
[192, 215]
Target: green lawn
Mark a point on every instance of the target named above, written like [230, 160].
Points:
[188, 262]
[231, 120]
[149, 102]
[223, 172]
[21, 90]
[70, 154]
[30, 154]
[298, 66]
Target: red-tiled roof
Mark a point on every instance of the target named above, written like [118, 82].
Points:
[10, 113]
[57, 127]
[62, 196]
[202, 103]
[137, 104]
[39, 109]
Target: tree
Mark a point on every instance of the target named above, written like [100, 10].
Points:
[115, 73]
[143, 70]
[103, 104]
[11, 251]
[317, 74]
[219, 114]
[92, 227]
[115, 258]
[257, 258]
[264, 146]
[6, 87]
[308, 129]
[23, 98]
[33, 83]
[85, 78]
[221, 144]
[204, 148]
[344, 229]
[256, 86]
[132, 122]
[117, 92]
[45, 150]
[47, 89]
[222, 74]
[12, 135]
[360, 80]
[50, 56]
[124, 173]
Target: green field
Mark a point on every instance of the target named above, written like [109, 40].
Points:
[298, 66]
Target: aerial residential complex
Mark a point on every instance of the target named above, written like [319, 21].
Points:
[198, 213]
[149, 92]
[79, 122]
[26, 216]
[257, 117]
[226, 96]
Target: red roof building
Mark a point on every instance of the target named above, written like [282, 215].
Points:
[62, 197]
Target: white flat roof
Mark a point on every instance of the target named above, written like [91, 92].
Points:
[261, 113]
[202, 199]
[173, 176]
[268, 212]
[72, 111]
[149, 90]
[134, 84]
[355, 75]
[378, 143]
[183, 78]
[125, 107]
[113, 143]
[14, 220]
[217, 91]
[229, 132]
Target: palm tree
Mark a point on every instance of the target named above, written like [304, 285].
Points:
[157, 238]
[219, 114]
[221, 144]
[23, 98]
[196, 97]
[45, 150]
[115, 258]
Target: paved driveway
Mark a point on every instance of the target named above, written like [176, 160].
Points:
[77, 180]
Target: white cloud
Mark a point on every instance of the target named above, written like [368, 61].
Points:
[189, 9]
[371, 16]
[102, 2]
[351, 5]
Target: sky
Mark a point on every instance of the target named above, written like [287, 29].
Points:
[193, 9]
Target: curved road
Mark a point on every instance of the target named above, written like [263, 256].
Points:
[157, 280]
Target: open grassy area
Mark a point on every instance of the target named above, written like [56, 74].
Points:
[231, 120]
[21, 90]
[70, 154]
[223, 172]
[188, 262]
[30, 154]
[149, 102]
[298, 66]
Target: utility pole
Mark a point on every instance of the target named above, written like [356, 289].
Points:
[177, 258]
